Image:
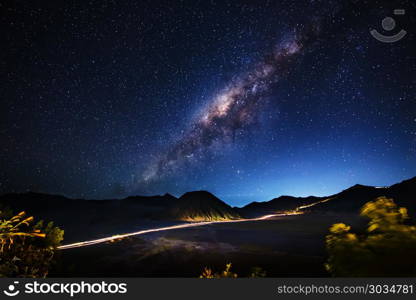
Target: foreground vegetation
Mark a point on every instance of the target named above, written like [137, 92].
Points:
[26, 248]
[227, 273]
[386, 248]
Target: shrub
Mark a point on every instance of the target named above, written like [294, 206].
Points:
[208, 273]
[26, 250]
[386, 248]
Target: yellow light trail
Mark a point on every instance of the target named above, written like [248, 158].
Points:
[295, 212]
[313, 204]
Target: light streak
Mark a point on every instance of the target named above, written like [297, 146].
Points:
[295, 212]
[313, 204]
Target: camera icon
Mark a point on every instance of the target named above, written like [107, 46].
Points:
[11, 290]
[388, 24]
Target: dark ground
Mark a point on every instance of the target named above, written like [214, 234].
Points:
[291, 246]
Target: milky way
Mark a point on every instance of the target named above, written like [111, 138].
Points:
[234, 108]
[245, 99]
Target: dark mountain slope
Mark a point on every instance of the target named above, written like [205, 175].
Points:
[280, 204]
[90, 217]
[51, 205]
[122, 215]
[202, 206]
[347, 201]
[352, 199]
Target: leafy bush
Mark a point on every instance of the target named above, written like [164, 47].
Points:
[26, 250]
[257, 272]
[208, 273]
[387, 248]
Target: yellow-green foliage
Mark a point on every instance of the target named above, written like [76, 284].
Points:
[257, 272]
[11, 229]
[387, 248]
[26, 249]
[208, 273]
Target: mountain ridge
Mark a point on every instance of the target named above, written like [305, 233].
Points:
[201, 205]
[411, 180]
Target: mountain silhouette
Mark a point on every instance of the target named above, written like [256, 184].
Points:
[347, 201]
[353, 198]
[282, 203]
[202, 206]
[100, 216]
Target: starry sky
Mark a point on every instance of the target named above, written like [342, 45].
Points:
[246, 99]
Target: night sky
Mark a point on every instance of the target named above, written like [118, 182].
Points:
[246, 99]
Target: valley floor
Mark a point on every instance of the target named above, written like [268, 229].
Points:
[292, 246]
